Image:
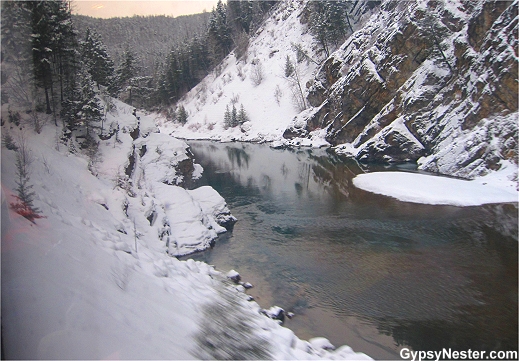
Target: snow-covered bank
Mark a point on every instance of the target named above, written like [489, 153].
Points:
[95, 278]
[430, 189]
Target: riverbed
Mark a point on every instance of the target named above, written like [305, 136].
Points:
[362, 269]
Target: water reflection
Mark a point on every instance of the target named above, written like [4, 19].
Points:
[238, 157]
[359, 268]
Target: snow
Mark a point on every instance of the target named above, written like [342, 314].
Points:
[94, 280]
[429, 189]
[206, 103]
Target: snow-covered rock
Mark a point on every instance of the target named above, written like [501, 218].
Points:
[212, 203]
[275, 313]
[234, 276]
[429, 81]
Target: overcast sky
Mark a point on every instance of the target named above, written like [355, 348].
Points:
[121, 8]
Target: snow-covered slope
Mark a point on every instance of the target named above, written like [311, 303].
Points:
[269, 104]
[433, 82]
[427, 82]
[95, 278]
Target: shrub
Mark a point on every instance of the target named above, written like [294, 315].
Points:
[225, 333]
[257, 74]
[8, 141]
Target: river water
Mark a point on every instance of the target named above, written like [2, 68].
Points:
[361, 269]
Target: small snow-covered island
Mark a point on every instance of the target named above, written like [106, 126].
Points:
[287, 179]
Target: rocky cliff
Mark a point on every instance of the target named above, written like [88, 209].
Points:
[427, 81]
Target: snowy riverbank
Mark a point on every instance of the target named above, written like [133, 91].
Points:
[93, 278]
[497, 187]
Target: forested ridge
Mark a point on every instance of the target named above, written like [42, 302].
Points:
[151, 37]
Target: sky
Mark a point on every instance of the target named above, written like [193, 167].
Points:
[122, 8]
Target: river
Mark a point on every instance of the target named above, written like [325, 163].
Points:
[362, 269]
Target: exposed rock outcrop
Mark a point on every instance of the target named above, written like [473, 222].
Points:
[434, 81]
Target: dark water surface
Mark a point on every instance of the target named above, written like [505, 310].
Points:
[361, 269]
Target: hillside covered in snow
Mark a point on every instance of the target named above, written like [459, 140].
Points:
[427, 82]
[95, 277]
[99, 198]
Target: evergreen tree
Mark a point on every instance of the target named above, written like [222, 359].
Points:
[16, 30]
[53, 40]
[90, 110]
[227, 120]
[219, 33]
[239, 15]
[82, 107]
[25, 195]
[182, 115]
[242, 115]
[16, 50]
[65, 46]
[329, 21]
[42, 45]
[234, 117]
[289, 67]
[96, 58]
[126, 74]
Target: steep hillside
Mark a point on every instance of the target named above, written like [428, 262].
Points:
[427, 82]
[433, 82]
[256, 80]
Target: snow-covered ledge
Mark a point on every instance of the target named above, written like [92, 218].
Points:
[431, 189]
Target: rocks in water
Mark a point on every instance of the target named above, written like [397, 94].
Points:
[321, 343]
[247, 285]
[234, 276]
[275, 313]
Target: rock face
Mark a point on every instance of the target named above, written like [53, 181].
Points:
[434, 81]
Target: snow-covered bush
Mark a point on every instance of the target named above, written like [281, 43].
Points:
[226, 333]
[257, 74]
[8, 141]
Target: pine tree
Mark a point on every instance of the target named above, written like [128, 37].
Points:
[219, 33]
[328, 22]
[90, 109]
[125, 74]
[96, 58]
[82, 108]
[25, 195]
[227, 119]
[242, 115]
[42, 36]
[182, 115]
[16, 30]
[234, 117]
[65, 46]
[289, 67]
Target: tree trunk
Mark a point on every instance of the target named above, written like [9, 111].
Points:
[53, 104]
[47, 100]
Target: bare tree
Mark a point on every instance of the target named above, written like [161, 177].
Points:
[294, 80]
[257, 73]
